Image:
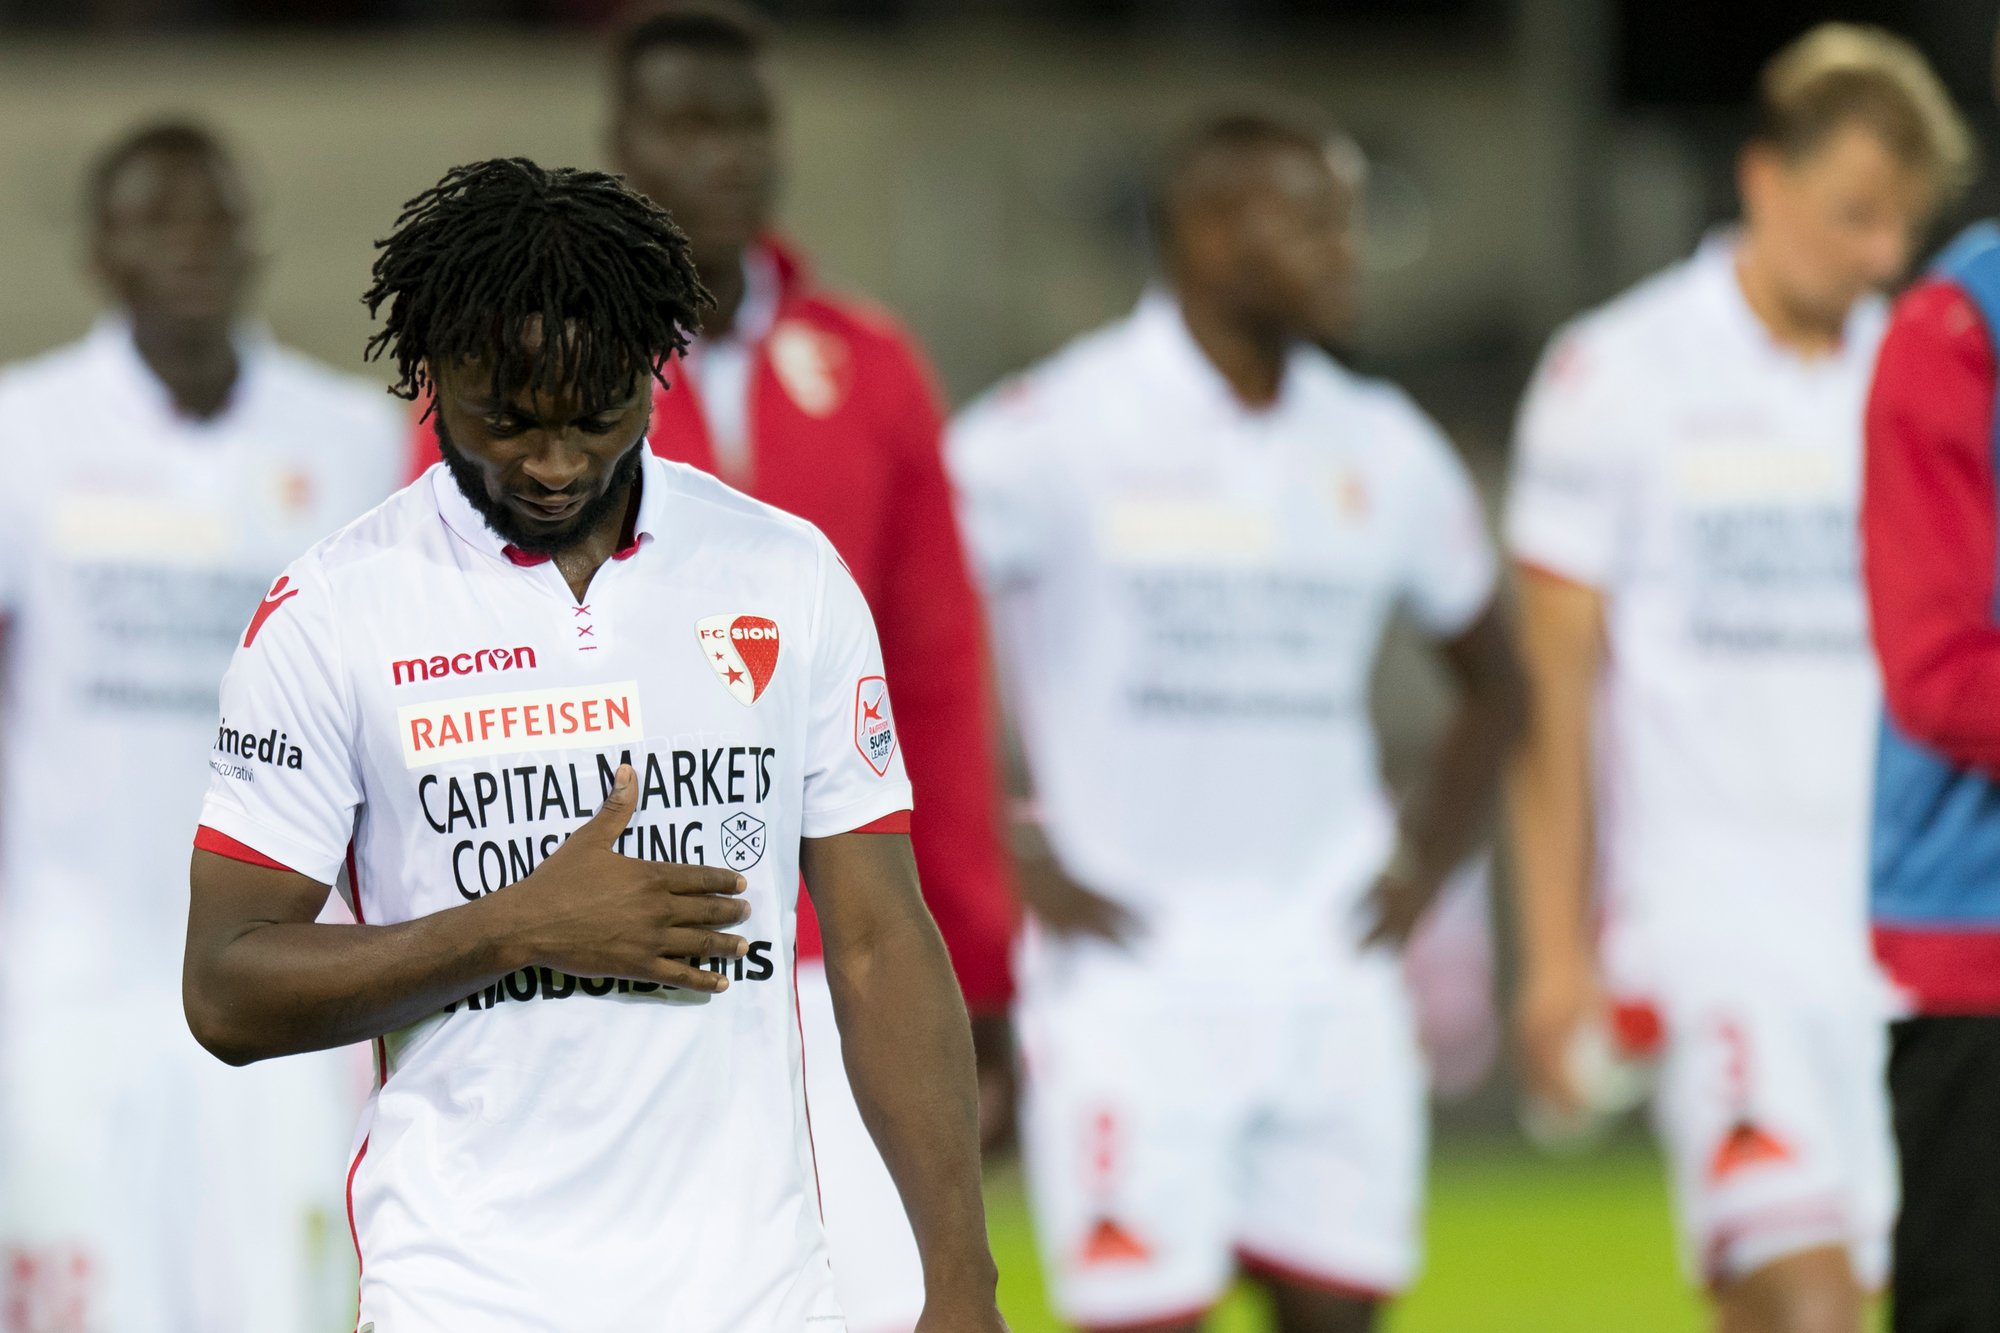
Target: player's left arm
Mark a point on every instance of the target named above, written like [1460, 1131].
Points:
[908, 1047]
[903, 1027]
[1447, 817]
[1451, 589]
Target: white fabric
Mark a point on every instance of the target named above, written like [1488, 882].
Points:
[556, 1153]
[1805, 1070]
[1706, 480]
[722, 367]
[876, 1268]
[144, 1186]
[1188, 598]
[1170, 1135]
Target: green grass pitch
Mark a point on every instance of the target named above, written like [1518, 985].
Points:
[1516, 1244]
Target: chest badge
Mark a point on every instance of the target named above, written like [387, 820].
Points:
[742, 651]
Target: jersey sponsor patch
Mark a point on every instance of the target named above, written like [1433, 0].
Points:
[874, 724]
[743, 838]
[742, 650]
[519, 721]
[277, 597]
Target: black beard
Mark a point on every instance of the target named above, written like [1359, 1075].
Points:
[510, 525]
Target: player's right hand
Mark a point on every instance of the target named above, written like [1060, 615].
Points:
[1554, 1005]
[591, 912]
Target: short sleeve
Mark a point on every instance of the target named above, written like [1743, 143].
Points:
[1567, 497]
[1452, 571]
[995, 455]
[854, 761]
[15, 529]
[283, 776]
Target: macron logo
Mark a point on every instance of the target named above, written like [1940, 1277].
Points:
[413, 669]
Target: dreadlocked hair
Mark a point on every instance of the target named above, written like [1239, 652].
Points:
[558, 278]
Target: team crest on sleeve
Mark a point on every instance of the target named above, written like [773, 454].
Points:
[874, 724]
[742, 651]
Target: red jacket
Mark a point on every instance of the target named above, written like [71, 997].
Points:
[1930, 530]
[845, 427]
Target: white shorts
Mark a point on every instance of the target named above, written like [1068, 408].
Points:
[876, 1270]
[1176, 1134]
[146, 1187]
[1773, 1107]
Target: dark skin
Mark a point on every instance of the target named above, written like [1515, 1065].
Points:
[1261, 260]
[696, 131]
[263, 978]
[171, 244]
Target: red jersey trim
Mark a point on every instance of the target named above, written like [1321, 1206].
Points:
[207, 839]
[1277, 1270]
[1943, 971]
[897, 822]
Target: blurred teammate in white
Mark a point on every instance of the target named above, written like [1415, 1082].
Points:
[1193, 525]
[1704, 698]
[157, 470]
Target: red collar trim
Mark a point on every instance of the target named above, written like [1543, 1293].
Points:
[631, 536]
[529, 559]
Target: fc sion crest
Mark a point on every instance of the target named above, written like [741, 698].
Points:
[742, 650]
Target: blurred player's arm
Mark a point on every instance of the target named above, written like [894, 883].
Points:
[262, 978]
[908, 1048]
[1449, 815]
[933, 645]
[1549, 818]
[1927, 522]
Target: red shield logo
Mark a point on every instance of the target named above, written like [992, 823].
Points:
[742, 650]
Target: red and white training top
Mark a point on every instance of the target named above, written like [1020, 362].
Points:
[423, 703]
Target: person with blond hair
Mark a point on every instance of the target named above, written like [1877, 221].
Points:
[1690, 808]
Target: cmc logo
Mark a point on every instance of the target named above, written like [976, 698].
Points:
[462, 664]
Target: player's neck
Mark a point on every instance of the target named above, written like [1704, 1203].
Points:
[197, 364]
[1251, 362]
[1790, 325]
[722, 274]
[579, 563]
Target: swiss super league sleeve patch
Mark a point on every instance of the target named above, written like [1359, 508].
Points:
[874, 724]
[742, 650]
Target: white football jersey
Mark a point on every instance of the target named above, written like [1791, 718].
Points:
[135, 543]
[1189, 596]
[553, 1151]
[1706, 480]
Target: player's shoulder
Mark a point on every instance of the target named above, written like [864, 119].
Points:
[721, 514]
[49, 373]
[334, 397]
[1063, 390]
[377, 541]
[1378, 413]
[1637, 324]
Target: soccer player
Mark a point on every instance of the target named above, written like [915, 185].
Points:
[158, 469]
[1929, 532]
[785, 378]
[1683, 522]
[578, 878]
[1193, 525]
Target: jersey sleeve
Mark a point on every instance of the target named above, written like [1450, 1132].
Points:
[853, 763]
[1452, 571]
[283, 774]
[1567, 496]
[1003, 487]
